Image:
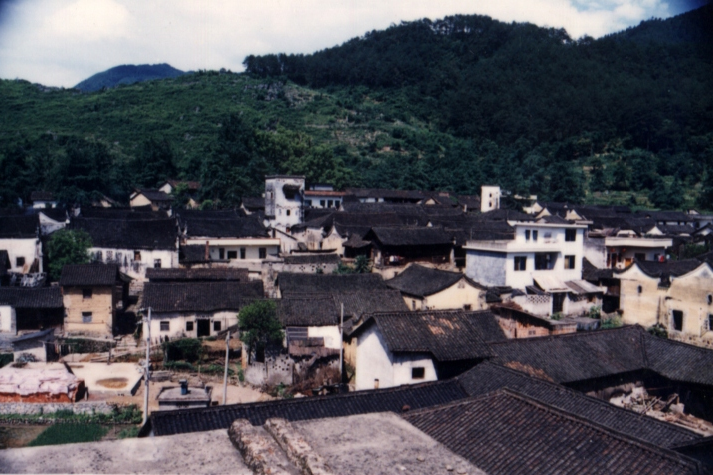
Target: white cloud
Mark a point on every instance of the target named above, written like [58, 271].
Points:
[57, 42]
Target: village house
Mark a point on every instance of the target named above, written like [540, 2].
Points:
[424, 288]
[396, 247]
[323, 196]
[52, 219]
[20, 237]
[195, 309]
[39, 346]
[210, 274]
[192, 188]
[253, 205]
[676, 295]
[93, 296]
[25, 309]
[517, 323]
[151, 199]
[132, 244]
[379, 195]
[391, 349]
[43, 199]
[284, 199]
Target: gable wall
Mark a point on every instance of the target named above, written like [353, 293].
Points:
[27, 248]
[458, 295]
[101, 304]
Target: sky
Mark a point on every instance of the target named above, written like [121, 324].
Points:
[62, 42]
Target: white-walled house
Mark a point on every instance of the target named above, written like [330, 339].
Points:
[196, 309]
[284, 197]
[20, 237]
[392, 349]
[531, 250]
[133, 245]
[43, 199]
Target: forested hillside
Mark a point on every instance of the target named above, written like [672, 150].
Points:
[127, 74]
[448, 104]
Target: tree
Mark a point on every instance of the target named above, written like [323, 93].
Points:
[259, 325]
[154, 163]
[599, 179]
[705, 198]
[65, 247]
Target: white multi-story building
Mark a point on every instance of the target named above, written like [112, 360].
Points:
[284, 198]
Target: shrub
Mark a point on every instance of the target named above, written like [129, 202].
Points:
[69, 434]
[186, 349]
[556, 316]
[613, 322]
[128, 433]
[658, 330]
[595, 312]
[179, 366]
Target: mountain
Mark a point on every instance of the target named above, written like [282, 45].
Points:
[449, 104]
[127, 74]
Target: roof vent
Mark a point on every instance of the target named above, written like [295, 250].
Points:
[184, 386]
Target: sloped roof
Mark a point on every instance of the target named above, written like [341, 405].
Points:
[678, 216]
[19, 227]
[38, 298]
[676, 229]
[41, 196]
[129, 234]
[678, 361]
[671, 268]
[423, 281]
[359, 402]
[199, 274]
[384, 193]
[254, 202]
[509, 433]
[201, 296]
[155, 195]
[503, 214]
[406, 236]
[56, 214]
[89, 275]
[210, 227]
[359, 303]
[319, 283]
[593, 273]
[487, 377]
[191, 185]
[448, 335]
[305, 259]
[314, 310]
[121, 213]
[486, 231]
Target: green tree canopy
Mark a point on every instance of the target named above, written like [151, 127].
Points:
[259, 325]
[65, 247]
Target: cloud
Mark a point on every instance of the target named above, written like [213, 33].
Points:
[59, 42]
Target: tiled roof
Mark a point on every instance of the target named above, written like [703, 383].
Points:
[199, 274]
[56, 214]
[121, 213]
[360, 402]
[676, 230]
[41, 196]
[318, 283]
[39, 298]
[508, 433]
[670, 268]
[679, 361]
[486, 231]
[448, 335]
[371, 219]
[191, 185]
[359, 303]
[488, 377]
[575, 357]
[592, 273]
[678, 216]
[504, 215]
[19, 227]
[200, 296]
[210, 227]
[386, 194]
[254, 202]
[192, 254]
[423, 281]
[305, 259]
[89, 275]
[129, 234]
[407, 236]
[314, 310]
[155, 195]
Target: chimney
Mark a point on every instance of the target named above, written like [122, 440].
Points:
[184, 386]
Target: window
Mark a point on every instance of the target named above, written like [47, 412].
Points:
[413, 305]
[322, 203]
[710, 299]
[677, 317]
[710, 322]
[137, 255]
[534, 235]
[639, 289]
[329, 203]
[262, 251]
[216, 326]
[98, 256]
[308, 203]
[467, 307]
[221, 253]
[20, 261]
[570, 235]
[418, 373]
[86, 293]
[165, 325]
[242, 253]
[287, 212]
[189, 326]
[569, 262]
[543, 261]
[520, 263]
[157, 263]
[640, 256]
[86, 317]
[232, 254]
[527, 235]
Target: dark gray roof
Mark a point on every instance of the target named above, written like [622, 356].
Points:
[306, 259]
[679, 361]
[509, 433]
[89, 275]
[594, 274]
[423, 281]
[488, 377]
[667, 216]
[38, 298]
[192, 254]
[407, 236]
[314, 310]
[676, 230]
[237, 227]
[668, 268]
[254, 202]
[318, 283]
[504, 215]
[34, 336]
[129, 234]
[19, 227]
[201, 296]
[199, 274]
[156, 195]
[398, 195]
[448, 335]
[41, 196]
[121, 213]
[340, 405]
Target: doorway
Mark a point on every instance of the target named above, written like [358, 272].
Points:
[558, 302]
[203, 328]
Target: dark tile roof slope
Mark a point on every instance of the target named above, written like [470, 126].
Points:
[359, 303]
[305, 259]
[510, 434]
[504, 215]
[360, 402]
[192, 254]
[121, 213]
[411, 195]
[314, 310]
[380, 218]
[254, 202]
[667, 216]
[41, 196]
[448, 335]
[409, 236]
[575, 357]
[676, 230]
[423, 281]
[189, 214]
[679, 361]
[674, 268]
[19, 227]
[4, 262]
[488, 377]
[56, 214]
[486, 231]
[317, 283]
[200, 274]
[39, 298]
[224, 228]
[156, 195]
[592, 273]
[89, 275]
[201, 296]
[129, 234]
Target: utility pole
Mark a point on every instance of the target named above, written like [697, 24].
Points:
[341, 345]
[225, 376]
[146, 368]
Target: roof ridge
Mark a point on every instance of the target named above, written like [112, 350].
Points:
[623, 328]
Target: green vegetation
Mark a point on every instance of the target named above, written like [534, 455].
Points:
[69, 434]
[613, 322]
[449, 105]
[124, 415]
[128, 433]
[66, 247]
[6, 358]
[658, 330]
[362, 265]
[259, 325]
[556, 316]
[127, 74]
[184, 349]
[594, 312]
